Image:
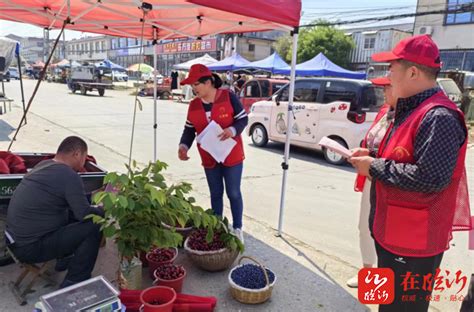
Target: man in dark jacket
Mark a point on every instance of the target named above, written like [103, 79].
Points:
[45, 218]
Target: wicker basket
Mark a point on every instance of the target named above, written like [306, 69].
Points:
[251, 296]
[216, 260]
[184, 231]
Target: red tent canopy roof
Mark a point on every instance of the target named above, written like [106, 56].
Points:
[171, 18]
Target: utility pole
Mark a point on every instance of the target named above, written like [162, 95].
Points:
[64, 46]
[45, 44]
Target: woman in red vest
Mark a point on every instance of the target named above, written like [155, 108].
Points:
[224, 108]
[371, 142]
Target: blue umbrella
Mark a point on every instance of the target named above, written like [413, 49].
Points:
[233, 62]
[320, 65]
[271, 64]
[110, 65]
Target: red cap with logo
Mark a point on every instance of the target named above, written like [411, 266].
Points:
[381, 81]
[196, 72]
[417, 49]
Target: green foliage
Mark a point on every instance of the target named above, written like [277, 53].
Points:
[283, 47]
[313, 40]
[135, 214]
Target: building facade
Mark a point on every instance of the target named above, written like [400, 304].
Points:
[374, 40]
[255, 46]
[452, 32]
[88, 49]
[33, 49]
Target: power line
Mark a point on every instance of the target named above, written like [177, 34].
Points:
[461, 9]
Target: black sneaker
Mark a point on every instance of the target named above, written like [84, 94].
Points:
[66, 283]
[62, 264]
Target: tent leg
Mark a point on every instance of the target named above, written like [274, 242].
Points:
[155, 91]
[289, 122]
[21, 84]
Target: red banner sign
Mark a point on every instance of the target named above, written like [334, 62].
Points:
[193, 46]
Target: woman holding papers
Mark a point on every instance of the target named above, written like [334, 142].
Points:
[370, 145]
[218, 118]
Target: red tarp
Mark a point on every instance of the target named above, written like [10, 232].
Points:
[172, 18]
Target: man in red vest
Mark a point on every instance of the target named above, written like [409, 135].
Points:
[419, 190]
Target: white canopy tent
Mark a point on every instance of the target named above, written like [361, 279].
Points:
[206, 59]
[159, 20]
[10, 50]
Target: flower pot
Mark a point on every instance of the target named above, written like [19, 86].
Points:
[152, 264]
[165, 296]
[143, 259]
[215, 260]
[132, 273]
[176, 284]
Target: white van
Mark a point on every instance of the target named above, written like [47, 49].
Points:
[341, 109]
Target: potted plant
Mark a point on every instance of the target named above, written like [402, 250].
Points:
[213, 247]
[134, 213]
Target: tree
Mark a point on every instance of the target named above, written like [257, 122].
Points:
[283, 47]
[313, 40]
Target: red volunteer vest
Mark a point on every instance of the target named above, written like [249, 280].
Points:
[223, 114]
[360, 179]
[419, 224]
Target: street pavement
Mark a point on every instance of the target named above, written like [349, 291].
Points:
[319, 248]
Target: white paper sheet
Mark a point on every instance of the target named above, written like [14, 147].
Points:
[335, 147]
[211, 143]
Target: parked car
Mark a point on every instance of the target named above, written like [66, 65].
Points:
[259, 89]
[14, 73]
[117, 75]
[6, 76]
[150, 77]
[341, 109]
[451, 89]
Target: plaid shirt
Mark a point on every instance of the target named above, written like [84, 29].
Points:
[436, 149]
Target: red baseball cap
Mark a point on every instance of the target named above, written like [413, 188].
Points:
[417, 49]
[196, 72]
[381, 81]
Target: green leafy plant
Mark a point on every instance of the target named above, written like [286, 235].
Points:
[141, 203]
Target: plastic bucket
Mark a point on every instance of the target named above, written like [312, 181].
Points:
[164, 295]
[176, 284]
[152, 265]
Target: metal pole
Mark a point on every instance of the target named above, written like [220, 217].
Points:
[155, 91]
[21, 83]
[289, 122]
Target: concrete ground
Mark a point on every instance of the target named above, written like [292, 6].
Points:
[319, 250]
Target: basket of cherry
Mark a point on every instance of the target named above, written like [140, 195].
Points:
[214, 252]
[251, 283]
[160, 256]
[170, 275]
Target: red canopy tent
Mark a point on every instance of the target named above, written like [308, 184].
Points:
[171, 18]
[165, 19]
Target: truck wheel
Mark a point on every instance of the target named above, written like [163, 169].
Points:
[259, 135]
[83, 90]
[101, 92]
[332, 157]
